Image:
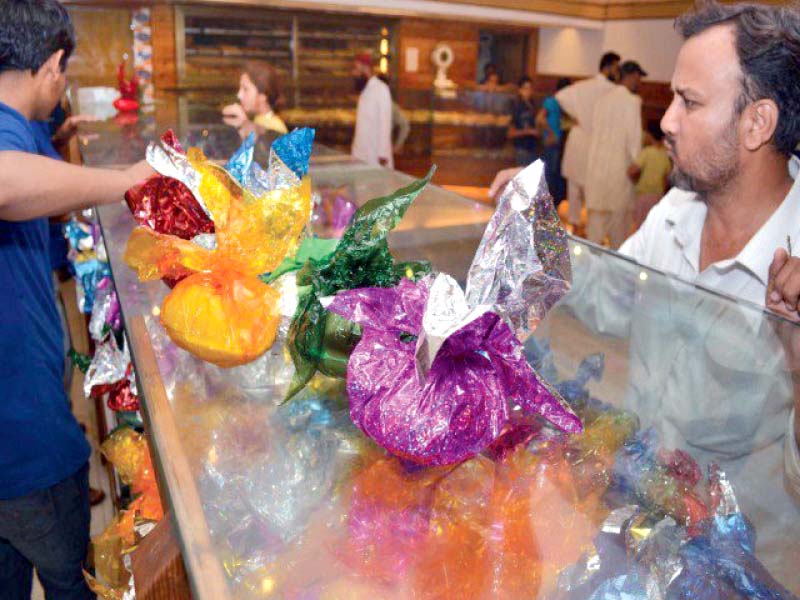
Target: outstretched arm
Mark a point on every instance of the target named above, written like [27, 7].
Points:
[33, 186]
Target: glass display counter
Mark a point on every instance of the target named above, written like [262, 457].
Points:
[292, 501]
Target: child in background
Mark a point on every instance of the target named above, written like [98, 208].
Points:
[650, 172]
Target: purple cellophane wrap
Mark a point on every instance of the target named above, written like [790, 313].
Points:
[462, 404]
[522, 265]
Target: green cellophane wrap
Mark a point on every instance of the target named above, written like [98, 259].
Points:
[322, 341]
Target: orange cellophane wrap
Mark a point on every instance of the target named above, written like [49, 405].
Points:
[128, 451]
[222, 312]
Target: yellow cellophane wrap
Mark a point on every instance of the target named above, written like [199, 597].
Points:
[222, 312]
[128, 451]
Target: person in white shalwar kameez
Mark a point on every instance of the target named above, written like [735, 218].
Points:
[372, 140]
[578, 101]
[615, 144]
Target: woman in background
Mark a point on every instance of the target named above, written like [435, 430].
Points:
[259, 95]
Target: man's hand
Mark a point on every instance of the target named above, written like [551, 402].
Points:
[234, 115]
[783, 287]
[70, 127]
[139, 172]
[501, 180]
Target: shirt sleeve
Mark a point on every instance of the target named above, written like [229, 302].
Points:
[403, 126]
[634, 133]
[11, 139]
[384, 132]
[567, 100]
[641, 159]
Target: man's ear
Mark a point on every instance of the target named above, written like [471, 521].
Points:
[52, 66]
[761, 120]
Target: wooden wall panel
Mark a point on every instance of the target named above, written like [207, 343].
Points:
[424, 34]
[104, 37]
[162, 21]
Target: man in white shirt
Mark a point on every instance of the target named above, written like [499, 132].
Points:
[578, 101]
[711, 376]
[372, 141]
[615, 144]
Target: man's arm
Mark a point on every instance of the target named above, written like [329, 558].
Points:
[568, 101]
[33, 186]
[403, 127]
[384, 132]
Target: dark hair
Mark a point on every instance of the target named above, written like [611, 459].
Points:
[523, 80]
[563, 82]
[31, 31]
[768, 47]
[267, 81]
[608, 59]
[654, 129]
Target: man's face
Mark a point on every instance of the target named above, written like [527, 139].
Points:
[248, 94]
[526, 91]
[701, 124]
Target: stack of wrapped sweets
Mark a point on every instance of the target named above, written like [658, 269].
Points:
[210, 232]
[108, 370]
[128, 451]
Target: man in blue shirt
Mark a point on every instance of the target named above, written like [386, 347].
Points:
[44, 505]
[549, 122]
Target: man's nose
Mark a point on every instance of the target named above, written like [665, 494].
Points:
[669, 120]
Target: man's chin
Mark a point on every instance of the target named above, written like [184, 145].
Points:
[682, 181]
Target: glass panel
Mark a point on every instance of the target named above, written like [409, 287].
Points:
[299, 504]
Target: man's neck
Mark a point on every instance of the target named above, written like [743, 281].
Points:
[15, 92]
[736, 213]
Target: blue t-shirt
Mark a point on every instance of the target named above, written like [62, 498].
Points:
[40, 440]
[553, 109]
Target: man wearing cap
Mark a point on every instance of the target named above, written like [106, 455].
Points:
[615, 144]
[372, 142]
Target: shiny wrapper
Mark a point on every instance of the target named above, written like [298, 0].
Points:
[462, 404]
[321, 341]
[167, 206]
[288, 162]
[219, 310]
[105, 312]
[109, 366]
[522, 266]
[89, 273]
[170, 160]
[334, 210]
[294, 150]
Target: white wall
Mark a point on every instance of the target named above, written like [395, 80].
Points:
[653, 43]
[571, 51]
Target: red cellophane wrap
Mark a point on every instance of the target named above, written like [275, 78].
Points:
[167, 206]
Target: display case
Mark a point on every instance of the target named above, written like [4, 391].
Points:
[292, 501]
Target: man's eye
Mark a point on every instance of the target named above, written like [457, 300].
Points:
[689, 103]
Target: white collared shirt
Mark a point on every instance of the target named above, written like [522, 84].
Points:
[709, 375]
[372, 139]
[669, 240]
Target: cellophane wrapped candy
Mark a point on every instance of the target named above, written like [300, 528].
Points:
[322, 341]
[639, 557]
[128, 451]
[435, 376]
[220, 311]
